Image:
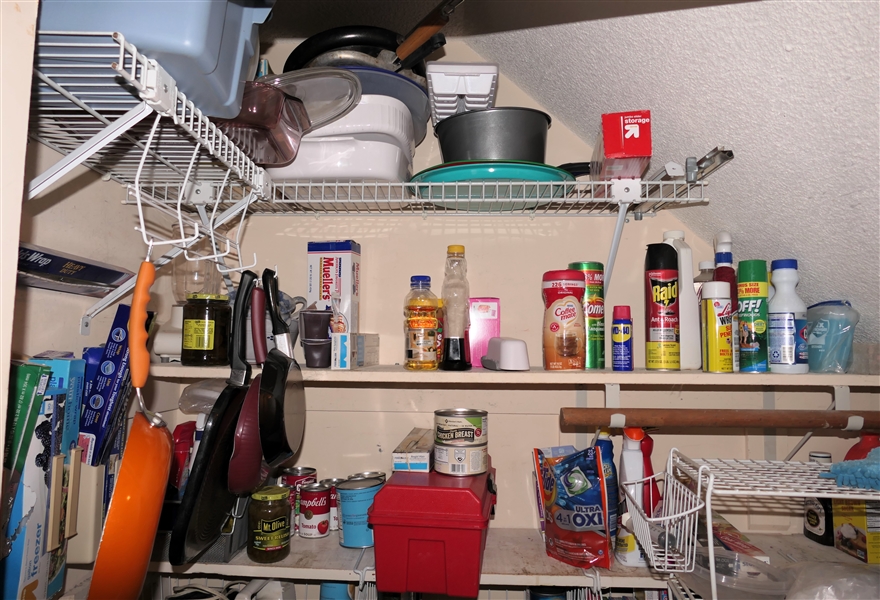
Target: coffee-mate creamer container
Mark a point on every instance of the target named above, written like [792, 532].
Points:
[662, 348]
[564, 330]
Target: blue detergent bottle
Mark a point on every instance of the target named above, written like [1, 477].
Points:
[603, 440]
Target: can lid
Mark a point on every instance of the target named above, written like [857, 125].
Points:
[219, 297]
[417, 280]
[332, 481]
[359, 484]
[315, 487]
[820, 457]
[716, 289]
[587, 266]
[675, 234]
[784, 263]
[564, 274]
[706, 265]
[723, 258]
[621, 312]
[752, 270]
[271, 492]
[455, 249]
[661, 256]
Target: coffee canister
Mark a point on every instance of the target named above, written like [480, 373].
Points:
[355, 497]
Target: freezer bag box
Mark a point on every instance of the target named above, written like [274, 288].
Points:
[335, 269]
[856, 528]
[430, 532]
[415, 452]
[354, 350]
[623, 148]
[485, 316]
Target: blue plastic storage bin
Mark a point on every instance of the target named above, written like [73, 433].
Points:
[210, 47]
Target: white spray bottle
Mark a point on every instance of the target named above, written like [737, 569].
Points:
[632, 464]
[688, 308]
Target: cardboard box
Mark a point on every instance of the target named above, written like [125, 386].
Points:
[334, 268]
[415, 452]
[354, 350]
[623, 148]
[857, 528]
[485, 316]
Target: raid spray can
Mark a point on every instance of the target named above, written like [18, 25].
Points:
[662, 345]
[752, 288]
[716, 318]
[622, 339]
[594, 312]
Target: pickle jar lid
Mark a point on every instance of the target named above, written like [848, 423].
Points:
[219, 297]
[271, 492]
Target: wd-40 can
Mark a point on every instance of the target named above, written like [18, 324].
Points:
[594, 312]
[622, 339]
[752, 288]
[662, 348]
[716, 318]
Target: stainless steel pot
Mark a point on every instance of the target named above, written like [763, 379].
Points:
[510, 133]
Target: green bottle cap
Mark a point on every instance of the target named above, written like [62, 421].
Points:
[752, 270]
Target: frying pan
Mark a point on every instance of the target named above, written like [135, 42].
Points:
[206, 502]
[281, 375]
[246, 470]
[133, 515]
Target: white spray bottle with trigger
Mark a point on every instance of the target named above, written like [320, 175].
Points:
[632, 468]
[688, 308]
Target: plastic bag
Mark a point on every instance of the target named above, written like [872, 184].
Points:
[199, 397]
[833, 581]
[830, 329]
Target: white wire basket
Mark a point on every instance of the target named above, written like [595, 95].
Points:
[668, 538]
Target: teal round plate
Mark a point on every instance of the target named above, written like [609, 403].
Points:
[494, 185]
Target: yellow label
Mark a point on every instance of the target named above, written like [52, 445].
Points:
[663, 355]
[752, 289]
[856, 530]
[198, 335]
[621, 332]
[716, 319]
[271, 535]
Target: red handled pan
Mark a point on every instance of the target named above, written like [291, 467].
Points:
[207, 502]
[133, 515]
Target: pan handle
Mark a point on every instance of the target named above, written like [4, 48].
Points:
[270, 285]
[258, 324]
[137, 325]
[427, 28]
[241, 370]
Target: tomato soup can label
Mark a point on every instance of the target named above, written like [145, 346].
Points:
[334, 503]
[461, 427]
[314, 510]
[355, 498]
[461, 460]
[295, 478]
[716, 317]
[662, 349]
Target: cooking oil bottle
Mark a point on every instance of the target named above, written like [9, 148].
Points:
[420, 325]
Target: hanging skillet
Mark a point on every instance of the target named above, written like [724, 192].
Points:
[133, 515]
[206, 502]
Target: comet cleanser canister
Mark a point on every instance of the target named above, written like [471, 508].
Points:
[662, 349]
[594, 312]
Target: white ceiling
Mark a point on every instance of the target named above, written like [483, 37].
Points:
[793, 88]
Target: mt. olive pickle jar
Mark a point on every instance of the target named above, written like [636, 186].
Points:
[206, 325]
[269, 524]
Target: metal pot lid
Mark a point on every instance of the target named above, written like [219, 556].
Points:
[327, 93]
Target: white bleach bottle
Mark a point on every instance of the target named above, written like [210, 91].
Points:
[632, 468]
[688, 306]
[787, 321]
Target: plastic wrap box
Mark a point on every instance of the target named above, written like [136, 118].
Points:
[430, 532]
[354, 350]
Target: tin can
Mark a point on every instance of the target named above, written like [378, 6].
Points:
[716, 318]
[461, 427]
[334, 504]
[461, 460]
[368, 475]
[594, 312]
[752, 288]
[621, 339]
[314, 506]
[548, 593]
[662, 348]
[295, 478]
[355, 499]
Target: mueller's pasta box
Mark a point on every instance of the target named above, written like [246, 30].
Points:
[335, 275]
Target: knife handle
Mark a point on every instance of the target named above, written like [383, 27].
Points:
[270, 285]
[258, 324]
[427, 27]
[139, 356]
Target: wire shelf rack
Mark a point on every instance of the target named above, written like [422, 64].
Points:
[86, 82]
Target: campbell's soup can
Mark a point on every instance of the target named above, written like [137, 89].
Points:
[461, 427]
[564, 329]
[295, 478]
[662, 348]
[461, 460]
[594, 312]
[314, 510]
[334, 504]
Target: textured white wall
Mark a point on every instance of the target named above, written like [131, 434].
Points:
[791, 87]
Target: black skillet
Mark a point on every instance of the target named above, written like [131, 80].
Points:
[206, 503]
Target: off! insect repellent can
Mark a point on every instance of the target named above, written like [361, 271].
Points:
[662, 345]
[622, 339]
[594, 312]
[716, 321]
[752, 287]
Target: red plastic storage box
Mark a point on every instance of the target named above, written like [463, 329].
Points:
[430, 532]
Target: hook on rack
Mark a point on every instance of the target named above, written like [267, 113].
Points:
[362, 573]
[241, 267]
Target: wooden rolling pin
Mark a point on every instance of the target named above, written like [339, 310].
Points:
[675, 417]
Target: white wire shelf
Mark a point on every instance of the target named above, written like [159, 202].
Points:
[752, 478]
[86, 82]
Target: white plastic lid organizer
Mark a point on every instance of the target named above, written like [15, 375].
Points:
[209, 48]
[460, 87]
